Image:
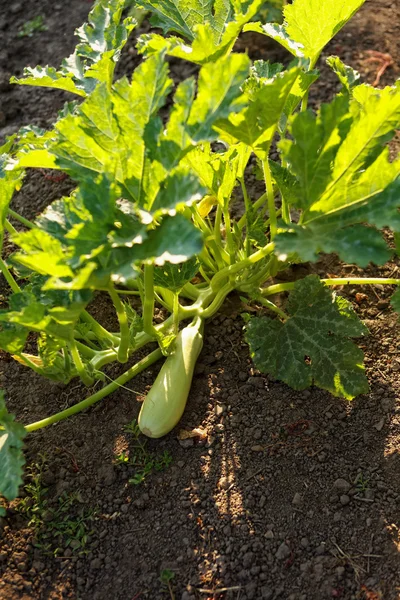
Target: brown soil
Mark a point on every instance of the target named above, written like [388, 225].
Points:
[290, 495]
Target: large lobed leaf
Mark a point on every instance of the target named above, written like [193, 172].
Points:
[100, 43]
[344, 182]
[309, 25]
[11, 455]
[312, 345]
[211, 27]
[267, 94]
[115, 145]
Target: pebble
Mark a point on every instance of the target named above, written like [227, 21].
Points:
[225, 482]
[369, 494]
[283, 552]
[269, 535]
[188, 443]
[107, 475]
[96, 563]
[219, 410]
[297, 499]
[257, 382]
[342, 485]
[248, 560]
[344, 499]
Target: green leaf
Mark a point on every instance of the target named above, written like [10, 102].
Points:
[309, 25]
[42, 253]
[354, 244]
[10, 181]
[120, 129]
[395, 301]
[218, 96]
[345, 178]
[219, 171]
[174, 241]
[317, 139]
[257, 123]
[181, 188]
[11, 455]
[100, 43]
[174, 277]
[12, 337]
[212, 27]
[347, 76]
[287, 183]
[312, 345]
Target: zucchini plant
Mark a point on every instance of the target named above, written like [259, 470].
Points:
[151, 214]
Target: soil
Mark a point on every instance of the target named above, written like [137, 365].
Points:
[286, 495]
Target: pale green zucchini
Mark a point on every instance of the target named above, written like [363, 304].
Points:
[166, 401]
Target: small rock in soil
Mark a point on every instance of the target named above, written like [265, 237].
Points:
[283, 552]
[342, 485]
[297, 499]
[107, 475]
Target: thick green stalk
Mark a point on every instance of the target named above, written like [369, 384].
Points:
[286, 287]
[215, 305]
[218, 279]
[22, 220]
[257, 204]
[175, 313]
[10, 228]
[270, 198]
[217, 224]
[148, 302]
[145, 363]
[80, 367]
[123, 348]
[85, 350]
[8, 277]
[304, 102]
[273, 307]
[98, 329]
[248, 207]
[229, 238]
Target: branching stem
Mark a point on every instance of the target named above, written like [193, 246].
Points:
[80, 367]
[286, 287]
[22, 220]
[145, 363]
[8, 277]
[123, 348]
[270, 198]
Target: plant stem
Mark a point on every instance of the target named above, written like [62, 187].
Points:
[285, 287]
[217, 224]
[273, 307]
[229, 237]
[247, 262]
[148, 302]
[108, 389]
[98, 329]
[123, 348]
[10, 228]
[270, 198]
[22, 220]
[190, 291]
[257, 204]
[217, 302]
[248, 208]
[8, 277]
[175, 313]
[85, 350]
[76, 357]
